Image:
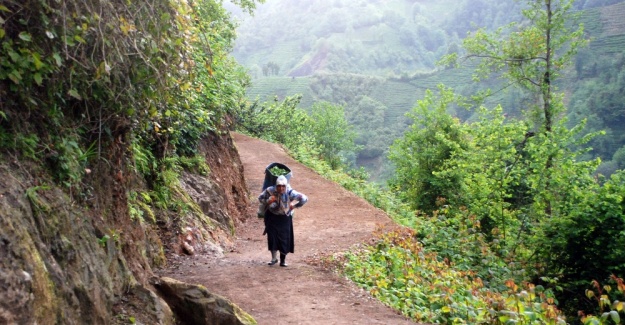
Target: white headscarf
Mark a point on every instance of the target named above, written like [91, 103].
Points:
[282, 180]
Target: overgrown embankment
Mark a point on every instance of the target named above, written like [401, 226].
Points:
[112, 156]
[91, 261]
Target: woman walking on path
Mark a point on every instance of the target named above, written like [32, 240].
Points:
[280, 201]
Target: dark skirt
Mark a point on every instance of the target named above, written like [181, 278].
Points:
[279, 233]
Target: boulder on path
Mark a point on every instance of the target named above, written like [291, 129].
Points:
[194, 304]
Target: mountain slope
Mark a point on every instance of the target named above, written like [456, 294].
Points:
[335, 75]
[65, 261]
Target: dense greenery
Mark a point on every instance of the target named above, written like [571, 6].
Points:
[499, 199]
[324, 133]
[130, 86]
[494, 201]
[593, 85]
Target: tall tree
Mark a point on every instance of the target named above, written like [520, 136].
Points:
[331, 130]
[532, 55]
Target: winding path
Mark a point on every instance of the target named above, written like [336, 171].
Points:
[302, 293]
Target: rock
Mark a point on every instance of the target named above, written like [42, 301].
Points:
[194, 304]
[149, 303]
[69, 256]
[210, 197]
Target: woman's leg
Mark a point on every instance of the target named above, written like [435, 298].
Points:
[274, 258]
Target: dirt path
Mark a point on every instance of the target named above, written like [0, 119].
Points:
[333, 220]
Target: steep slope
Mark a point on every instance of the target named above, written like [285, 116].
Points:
[86, 259]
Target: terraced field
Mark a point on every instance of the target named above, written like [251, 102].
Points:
[613, 20]
[605, 26]
[399, 96]
[265, 89]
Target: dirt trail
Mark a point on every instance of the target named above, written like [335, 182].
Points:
[333, 220]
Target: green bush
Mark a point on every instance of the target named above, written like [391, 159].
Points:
[402, 274]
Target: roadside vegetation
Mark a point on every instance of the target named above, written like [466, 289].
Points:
[506, 223]
[127, 86]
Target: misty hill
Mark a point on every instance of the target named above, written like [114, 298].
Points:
[371, 37]
[379, 56]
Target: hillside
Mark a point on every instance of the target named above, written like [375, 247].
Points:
[372, 37]
[65, 261]
[397, 91]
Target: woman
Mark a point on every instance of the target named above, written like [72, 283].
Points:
[280, 201]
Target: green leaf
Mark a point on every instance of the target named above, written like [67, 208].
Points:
[37, 61]
[24, 36]
[615, 316]
[38, 78]
[80, 39]
[74, 93]
[15, 57]
[15, 76]
[2, 33]
[4, 8]
[57, 59]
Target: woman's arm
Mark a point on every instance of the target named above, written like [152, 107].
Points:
[298, 198]
[267, 196]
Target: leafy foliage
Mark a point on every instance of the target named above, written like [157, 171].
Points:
[430, 141]
[398, 271]
[277, 171]
[592, 231]
[611, 311]
[80, 77]
[333, 133]
[276, 121]
[324, 133]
